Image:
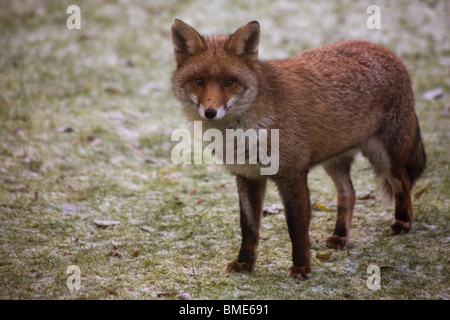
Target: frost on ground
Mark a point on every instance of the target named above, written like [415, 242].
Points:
[85, 123]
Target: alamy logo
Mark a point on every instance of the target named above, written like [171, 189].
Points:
[74, 280]
[374, 280]
[374, 20]
[74, 20]
[249, 146]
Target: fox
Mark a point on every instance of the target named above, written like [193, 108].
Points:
[328, 103]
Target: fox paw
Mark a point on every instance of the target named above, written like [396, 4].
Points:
[336, 242]
[399, 227]
[235, 266]
[299, 272]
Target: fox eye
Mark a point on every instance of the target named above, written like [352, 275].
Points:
[199, 82]
[228, 83]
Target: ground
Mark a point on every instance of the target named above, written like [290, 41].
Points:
[85, 123]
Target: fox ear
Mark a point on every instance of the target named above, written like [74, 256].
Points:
[245, 41]
[186, 41]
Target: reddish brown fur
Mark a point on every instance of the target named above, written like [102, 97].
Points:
[328, 103]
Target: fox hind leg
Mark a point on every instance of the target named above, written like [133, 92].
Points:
[338, 169]
[403, 204]
[394, 180]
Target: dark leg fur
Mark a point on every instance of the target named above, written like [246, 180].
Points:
[339, 171]
[251, 197]
[295, 195]
[403, 206]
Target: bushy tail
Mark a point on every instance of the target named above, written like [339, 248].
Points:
[414, 168]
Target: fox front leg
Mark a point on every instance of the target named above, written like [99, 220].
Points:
[295, 195]
[251, 198]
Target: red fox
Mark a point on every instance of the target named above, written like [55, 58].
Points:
[328, 103]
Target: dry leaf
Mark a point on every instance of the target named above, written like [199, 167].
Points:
[273, 208]
[184, 296]
[165, 295]
[64, 129]
[134, 253]
[387, 268]
[200, 200]
[368, 196]
[422, 190]
[93, 141]
[114, 253]
[105, 223]
[112, 292]
[147, 229]
[86, 36]
[358, 256]
[116, 244]
[113, 90]
[433, 94]
[127, 62]
[150, 160]
[323, 256]
[321, 207]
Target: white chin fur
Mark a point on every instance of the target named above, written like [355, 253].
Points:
[221, 112]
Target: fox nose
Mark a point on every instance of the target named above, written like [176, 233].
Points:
[210, 113]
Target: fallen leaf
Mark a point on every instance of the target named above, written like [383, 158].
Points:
[134, 253]
[368, 196]
[114, 253]
[273, 208]
[93, 141]
[318, 206]
[22, 188]
[433, 94]
[147, 229]
[116, 244]
[86, 36]
[184, 296]
[422, 190]
[200, 200]
[165, 295]
[387, 268]
[105, 223]
[127, 62]
[358, 256]
[150, 160]
[323, 256]
[64, 129]
[113, 90]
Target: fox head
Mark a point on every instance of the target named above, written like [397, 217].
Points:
[216, 77]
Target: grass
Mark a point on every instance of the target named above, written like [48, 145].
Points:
[85, 123]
